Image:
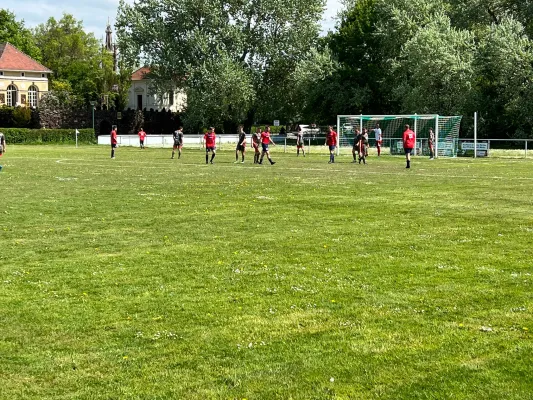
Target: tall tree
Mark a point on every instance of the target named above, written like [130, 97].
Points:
[17, 34]
[248, 45]
[74, 55]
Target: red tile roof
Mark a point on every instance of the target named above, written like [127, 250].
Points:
[12, 59]
[140, 74]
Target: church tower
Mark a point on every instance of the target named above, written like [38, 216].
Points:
[110, 46]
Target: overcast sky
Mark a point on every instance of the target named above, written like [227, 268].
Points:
[94, 13]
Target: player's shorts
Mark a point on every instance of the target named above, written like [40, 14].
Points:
[379, 143]
[113, 145]
[331, 148]
[210, 149]
[142, 142]
[300, 146]
[240, 148]
[177, 146]
[265, 147]
[256, 147]
[408, 151]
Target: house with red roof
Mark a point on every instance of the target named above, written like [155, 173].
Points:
[142, 94]
[23, 80]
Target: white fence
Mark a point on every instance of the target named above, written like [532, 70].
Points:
[165, 141]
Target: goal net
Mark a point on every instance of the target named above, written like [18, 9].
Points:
[446, 131]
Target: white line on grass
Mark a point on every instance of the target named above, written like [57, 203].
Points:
[152, 165]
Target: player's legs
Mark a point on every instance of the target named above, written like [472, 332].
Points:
[378, 145]
[113, 146]
[179, 152]
[207, 155]
[173, 151]
[243, 153]
[408, 158]
[213, 155]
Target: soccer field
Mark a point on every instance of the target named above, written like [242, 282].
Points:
[149, 278]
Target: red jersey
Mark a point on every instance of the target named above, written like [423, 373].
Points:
[113, 137]
[265, 137]
[331, 139]
[142, 135]
[210, 139]
[409, 139]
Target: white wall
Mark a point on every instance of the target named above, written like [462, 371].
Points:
[164, 141]
[154, 101]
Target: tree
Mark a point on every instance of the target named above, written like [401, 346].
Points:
[74, 55]
[14, 32]
[504, 69]
[259, 41]
[435, 71]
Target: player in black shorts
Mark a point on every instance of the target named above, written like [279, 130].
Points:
[241, 145]
[178, 142]
[356, 141]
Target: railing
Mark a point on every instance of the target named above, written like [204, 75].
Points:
[506, 148]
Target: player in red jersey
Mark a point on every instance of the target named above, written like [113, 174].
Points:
[142, 137]
[113, 141]
[210, 140]
[256, 140]
[331, 142]
[265, 142]
[409, 140]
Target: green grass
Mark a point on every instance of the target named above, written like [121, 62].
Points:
[149, 278]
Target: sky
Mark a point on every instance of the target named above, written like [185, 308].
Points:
[95, 13]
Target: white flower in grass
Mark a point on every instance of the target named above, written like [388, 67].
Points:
[332, 379]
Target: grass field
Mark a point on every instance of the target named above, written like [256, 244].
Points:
[149, 278]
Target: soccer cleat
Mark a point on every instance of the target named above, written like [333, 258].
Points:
[235, 162]
[242, 162]
[272, 163]
[1, 167]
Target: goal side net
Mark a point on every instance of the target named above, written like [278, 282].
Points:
[446, 129]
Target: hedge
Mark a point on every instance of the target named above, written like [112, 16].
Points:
[43, 136]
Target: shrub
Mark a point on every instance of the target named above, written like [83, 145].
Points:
[21, 117]
[38, 136]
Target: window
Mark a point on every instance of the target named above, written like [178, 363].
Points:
[22, 74]
[12, 95]
[171, 98]
[33, 96]
[1, 73]
[43, 75]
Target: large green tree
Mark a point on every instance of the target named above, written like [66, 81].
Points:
[17, 34]
[221, 49]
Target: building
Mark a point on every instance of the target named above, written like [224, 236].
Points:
[141, 94]
[22, 79]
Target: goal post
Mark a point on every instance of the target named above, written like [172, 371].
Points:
[446, 131]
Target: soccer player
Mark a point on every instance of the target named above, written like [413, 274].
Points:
[256, 139]
[113, 141]
[331, 142]
[300, 142]
[241, 145]
[266, 140]
[409, 140]
[363, 146]
[210, 140]
[2, 146]
[431, 144]
[379, 138]
[178, 142]
[356, 141]
[365, 141]
[142, 136]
